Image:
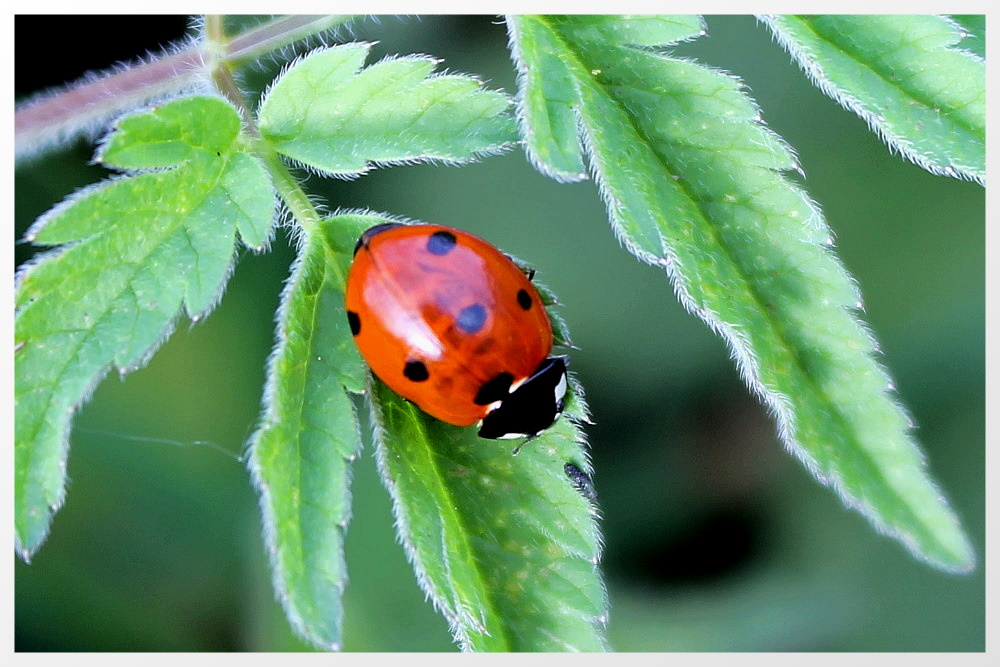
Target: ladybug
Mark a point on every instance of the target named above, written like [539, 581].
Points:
[450, 323]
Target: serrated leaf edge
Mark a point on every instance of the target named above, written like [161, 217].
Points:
[267, 419]
[849, 101]
[743, 356]
[371, 165]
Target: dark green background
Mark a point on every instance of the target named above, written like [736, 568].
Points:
[716, 539]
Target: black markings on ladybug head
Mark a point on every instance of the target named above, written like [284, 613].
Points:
[366, 237]
[355, 322]
[581, 481]
[441, 242]
[471, 318]
[532, 407]
[416, 371]
[494, 390]
[524, 299]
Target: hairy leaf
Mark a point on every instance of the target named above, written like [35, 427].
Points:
[300, 457]
[138, 248]
[693, 183]
[328, 113]
[506, 546]
[906, 76]
[973, 28]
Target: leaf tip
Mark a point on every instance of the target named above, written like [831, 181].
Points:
[962, 558]
[23, 552]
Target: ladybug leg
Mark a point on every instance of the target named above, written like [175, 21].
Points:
[522, 444]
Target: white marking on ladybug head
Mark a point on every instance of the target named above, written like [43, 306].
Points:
[561, 391]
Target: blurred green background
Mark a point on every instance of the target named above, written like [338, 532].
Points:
[716, 539]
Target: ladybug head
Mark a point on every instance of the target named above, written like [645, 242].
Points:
[532, 406]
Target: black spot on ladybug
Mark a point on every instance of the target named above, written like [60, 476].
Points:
[471, 318]
[523, 299]
[416, 371]
[355, 322]
[495, 389]
[441, 243]
[581, 481]
[366, 237]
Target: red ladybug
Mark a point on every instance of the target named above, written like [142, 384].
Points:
[449, 322]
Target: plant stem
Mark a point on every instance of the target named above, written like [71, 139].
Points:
[219, 68]
[290, 191]
[288, 187]
[279, 33]
[93, 101]
[89, 104]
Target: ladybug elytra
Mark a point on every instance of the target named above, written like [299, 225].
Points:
[450, 323]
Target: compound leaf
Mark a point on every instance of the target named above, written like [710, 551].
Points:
[329, 113]
[136, 249]
[694, 183]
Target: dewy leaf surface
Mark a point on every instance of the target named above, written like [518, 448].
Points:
[906, 75]
[693, 183]
[300, 457]
[329, 113]
[505, 546]
[138, 249]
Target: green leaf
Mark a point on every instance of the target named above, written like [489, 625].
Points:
[329, 114]
[693, 183]
[906, 76]
[542, 555]
[973, 27]
[548, 88]
[138, 249]
[300, 457]
[505, 546]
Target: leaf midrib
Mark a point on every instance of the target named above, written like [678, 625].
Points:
[314, 237]
[775, 328]
[458, 518]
